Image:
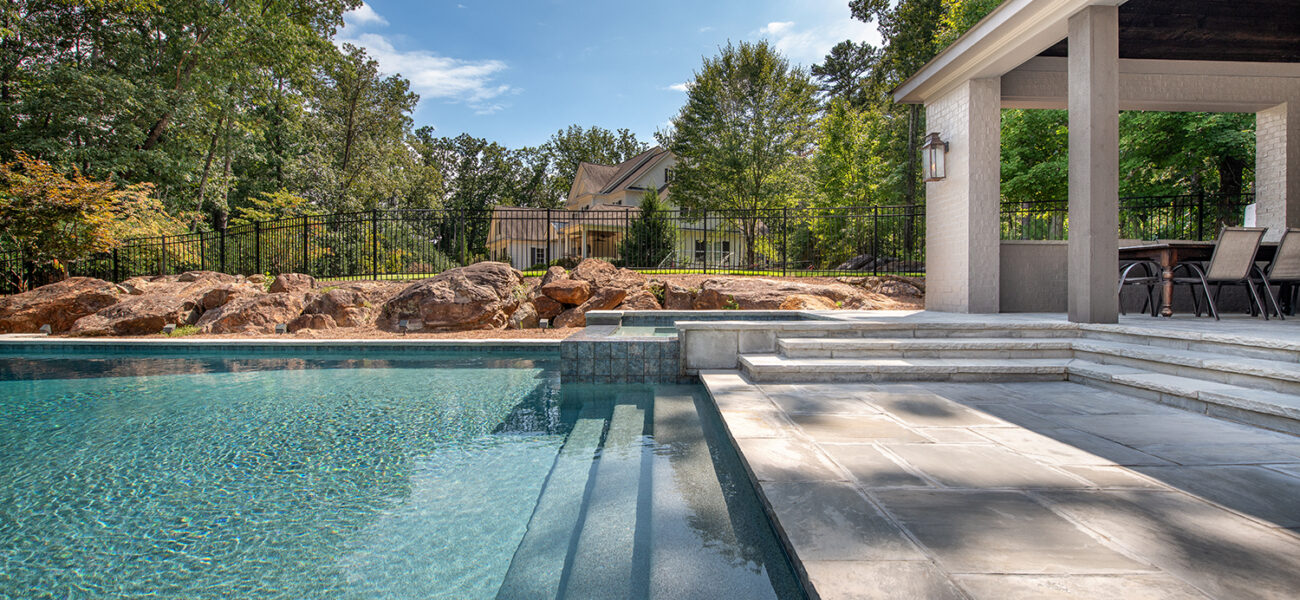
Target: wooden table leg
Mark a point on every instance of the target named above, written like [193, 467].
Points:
[1166, 284]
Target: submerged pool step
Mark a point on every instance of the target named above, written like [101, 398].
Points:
[603, 559]
[538, 564]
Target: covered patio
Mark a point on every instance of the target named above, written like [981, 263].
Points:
[1094, 58]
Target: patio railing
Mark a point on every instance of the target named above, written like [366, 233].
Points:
[1187, 217]
[410, 243]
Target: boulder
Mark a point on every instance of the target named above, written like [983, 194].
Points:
[677, 297]
[353, 305]
[314, 321]
[58, 305]
[139, 315]
[605, 298]
[547, 308]
[252, 314]
[219, 296]
[570, 318]
[292, 282]
[807, 302]
[640, 300]
[523, 318]
[567, 291]
[479, 296]
[594, 271]
[554, 274]
[257, 278]
[752, 293]
[213, 276]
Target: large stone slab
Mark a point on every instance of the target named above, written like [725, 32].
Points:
[1207, 452]
[870, 467]
[787, 459]
[981, 467]
[845, 403]
[1078, 587]
[1140, 431]
[1068, 447]
[854, 428]
[880, 580]
[830, 520]
[1262, 493]
[1001, 532]
[1223, 554]
[927, 409]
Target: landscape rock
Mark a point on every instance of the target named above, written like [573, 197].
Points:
[257, 278]
[554, 274]
[806, 302]
[594, 271]
[547, 308]
[568, 291]
[606, 298]
[138, 315]
[191, 276]
[677, 297]
[58, 305]
[252, 314]
[640, 300]
[754, 293]
[292, 282]
[570, 318]
[312, 321]
[353, 305]
[525, 317]
[220, 295]
[478, 296]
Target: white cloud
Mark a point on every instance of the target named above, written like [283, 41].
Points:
[811, 35]
[363, 15]
[680, 87]
[706, 29]
[468, 82]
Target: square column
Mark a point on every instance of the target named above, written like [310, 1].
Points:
[962, 232]
[1094, 165]
[1277, 169]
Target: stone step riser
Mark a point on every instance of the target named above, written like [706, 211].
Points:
[1204, 373]
[1236, 350]
[768, 376]
[1184, 402]
[944, 353]
[874, 333]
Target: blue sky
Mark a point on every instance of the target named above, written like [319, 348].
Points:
[515, 72]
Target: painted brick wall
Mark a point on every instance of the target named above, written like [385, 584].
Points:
[1277, 168]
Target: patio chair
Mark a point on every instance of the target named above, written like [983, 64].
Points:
[1285, 271]
[1149, 276]
[1233, 263]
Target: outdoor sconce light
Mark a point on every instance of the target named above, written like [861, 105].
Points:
[933, 153]
[45, 329]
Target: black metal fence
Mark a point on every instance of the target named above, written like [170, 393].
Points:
[411, 243]
[1188, 217]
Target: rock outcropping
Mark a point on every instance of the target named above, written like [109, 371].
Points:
[480, 296]
[58, 305]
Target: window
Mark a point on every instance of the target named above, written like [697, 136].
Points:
[539, 255]
[668, 175]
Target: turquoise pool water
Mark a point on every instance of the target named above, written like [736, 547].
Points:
[397, 476]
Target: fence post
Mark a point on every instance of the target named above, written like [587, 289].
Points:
[203, 254]
[116, 273]
[305, 266]
[705, 220]
[222, 249]
[374, 243]
[460, 241]
[875, 239]
[1200, 215]
[257, 246]
[546, 236]
[162, 258]
[785, 239]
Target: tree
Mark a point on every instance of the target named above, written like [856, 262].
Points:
[651, 236]
[742, 137]
[569, 147]
[50, 220]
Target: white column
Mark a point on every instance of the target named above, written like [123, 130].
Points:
[1277, 168]
[962, 210]
[1094, 165]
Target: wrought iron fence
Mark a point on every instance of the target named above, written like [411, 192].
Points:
[410, 243]
[1187, 217]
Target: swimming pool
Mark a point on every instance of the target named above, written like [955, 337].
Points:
[409, 474]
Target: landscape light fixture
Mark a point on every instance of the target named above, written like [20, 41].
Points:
[45, 329]
[933, 153]
[543, 323]
[403, 326]
[168, 329]
[281, 328]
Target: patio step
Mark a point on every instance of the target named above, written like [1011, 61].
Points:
[1224, 341]
[1274, 410]
[1246, 372]
[925, 347]
[774, 368]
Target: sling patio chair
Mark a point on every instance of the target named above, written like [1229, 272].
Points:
[1284, 271]
[1232, 263]
[1139, 273]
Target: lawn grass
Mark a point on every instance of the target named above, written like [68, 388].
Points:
[734, 272]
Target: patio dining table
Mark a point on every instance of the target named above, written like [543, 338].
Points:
[1168, 254]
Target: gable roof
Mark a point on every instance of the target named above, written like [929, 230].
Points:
[632, 170]
[524, 224]
[592, 178]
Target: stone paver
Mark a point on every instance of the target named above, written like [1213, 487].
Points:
[1007, 490]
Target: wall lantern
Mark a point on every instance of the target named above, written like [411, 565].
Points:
[932, 157]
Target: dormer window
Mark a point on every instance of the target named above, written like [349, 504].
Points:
[668, 175]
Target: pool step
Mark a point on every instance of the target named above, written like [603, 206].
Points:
[602, 562]
[925, 347]
[1256, 373]
[772, 368]
[537, 567]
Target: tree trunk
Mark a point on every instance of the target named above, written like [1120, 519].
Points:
[207, 163]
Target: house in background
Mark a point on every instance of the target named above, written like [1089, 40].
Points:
[603, 200]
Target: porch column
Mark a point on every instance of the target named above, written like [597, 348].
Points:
[1094, 165]
[962, 210]
[584, 242]
[1277, 168]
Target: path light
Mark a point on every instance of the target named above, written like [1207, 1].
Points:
[403, 326]
[933, 153]
[45, 329]
[544, 324]
[281, 328]
[168, 329]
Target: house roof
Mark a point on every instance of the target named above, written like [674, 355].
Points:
[603, 179]
[524, 224]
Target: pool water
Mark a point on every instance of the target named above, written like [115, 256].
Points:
[644, 331]
[394, 476]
